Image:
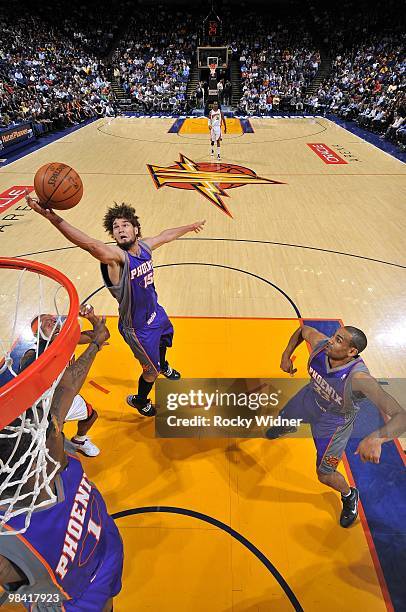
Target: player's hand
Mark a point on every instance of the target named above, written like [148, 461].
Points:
[101, 333]
[287, 365]
[198, 226]
[36, 205]
[369, 449]
[87, 312]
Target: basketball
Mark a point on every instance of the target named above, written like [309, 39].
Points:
[57, 185]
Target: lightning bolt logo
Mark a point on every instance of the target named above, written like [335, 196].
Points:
[209, 179]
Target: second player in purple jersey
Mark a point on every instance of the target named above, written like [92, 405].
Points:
[339, 380]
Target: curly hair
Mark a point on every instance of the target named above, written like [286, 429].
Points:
[120, 211]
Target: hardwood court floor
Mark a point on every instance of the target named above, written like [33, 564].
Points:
[326, 212]
[324, 241]
[265, 491]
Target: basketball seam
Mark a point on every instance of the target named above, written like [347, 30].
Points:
[64, 200]
[57, 187]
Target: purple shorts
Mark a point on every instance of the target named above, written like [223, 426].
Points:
[330, 431]
[106, 583]
[146, 341]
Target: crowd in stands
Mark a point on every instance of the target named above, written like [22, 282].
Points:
[48, 79]
[367, 80]
[56, 77]
[96, 27]
[367, 85]
[153, 63]
[278, 61]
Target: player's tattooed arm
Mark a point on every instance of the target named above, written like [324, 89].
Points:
[173, 234]
[369, 448]
[75, 375]
[311, 335]
[70, 385]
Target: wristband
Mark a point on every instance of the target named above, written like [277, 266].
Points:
[97, 344]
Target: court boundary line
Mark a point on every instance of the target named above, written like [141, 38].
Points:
[224, 527]
[250, 241]
[362, 515]
[368, 137]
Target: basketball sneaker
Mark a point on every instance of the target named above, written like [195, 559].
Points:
[86, 447]
[144, 407]
[170, 373]
[278, 431]
[350, 508]
[218, 158]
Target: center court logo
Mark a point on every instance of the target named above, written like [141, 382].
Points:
[210, 179]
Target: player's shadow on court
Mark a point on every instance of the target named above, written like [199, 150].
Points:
[335, 569]
[254, 470]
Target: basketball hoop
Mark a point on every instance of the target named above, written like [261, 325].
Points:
[25, 399]
[19, 394]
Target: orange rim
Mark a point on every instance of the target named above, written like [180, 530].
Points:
[24, 390]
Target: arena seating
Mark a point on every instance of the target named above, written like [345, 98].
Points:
[60, 75]
[47, 78]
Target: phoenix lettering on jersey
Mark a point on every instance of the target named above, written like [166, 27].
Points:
[75, 527]
[141, 269]
[322, 387]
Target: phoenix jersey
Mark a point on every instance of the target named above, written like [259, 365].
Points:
[332, 386]
[135, 293]
[68, 544]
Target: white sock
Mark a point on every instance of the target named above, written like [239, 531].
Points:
[80, 438]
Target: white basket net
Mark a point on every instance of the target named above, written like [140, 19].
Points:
[26, 467]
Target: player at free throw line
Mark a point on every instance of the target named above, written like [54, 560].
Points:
[129, 275]
[216, 121]
[339, 379]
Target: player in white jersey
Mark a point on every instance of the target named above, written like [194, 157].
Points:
[216, 121]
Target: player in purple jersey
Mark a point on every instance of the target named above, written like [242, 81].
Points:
[70, 557]
[330, 403]
[128, 274]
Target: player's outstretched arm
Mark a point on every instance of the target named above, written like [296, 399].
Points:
[173, 234]
[311, 335]
[70, 385]
[105, 253]
[369, 449]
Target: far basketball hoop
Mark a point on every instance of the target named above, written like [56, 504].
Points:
[212, 63]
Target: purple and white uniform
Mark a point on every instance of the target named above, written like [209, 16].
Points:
[143, 323]
[329, 404]
[71, 553]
